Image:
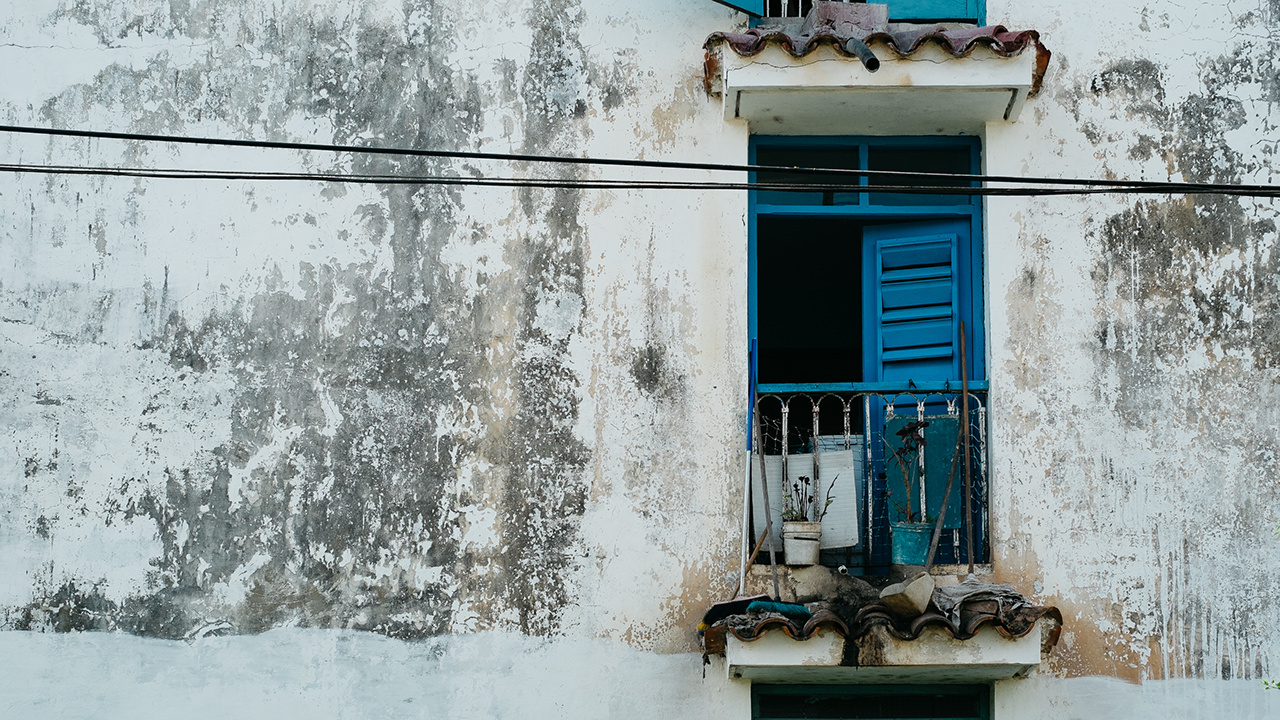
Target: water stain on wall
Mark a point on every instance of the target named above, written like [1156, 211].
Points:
[1180, 363]
[350, 474]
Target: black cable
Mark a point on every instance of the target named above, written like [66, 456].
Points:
[600, 184]
[1205, 188]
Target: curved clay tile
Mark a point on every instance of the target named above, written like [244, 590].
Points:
[904, 43]
[1011, 623]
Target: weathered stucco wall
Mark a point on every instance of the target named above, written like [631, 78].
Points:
[413, 410]
[1135, 352]
[232, 407]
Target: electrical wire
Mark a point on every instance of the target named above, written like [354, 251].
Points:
[599, 184]
[1126, 186]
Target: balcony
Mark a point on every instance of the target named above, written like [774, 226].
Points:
[909, 467]
[859, 459]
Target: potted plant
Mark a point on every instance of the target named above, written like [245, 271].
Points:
[910, 535]
[802, 515]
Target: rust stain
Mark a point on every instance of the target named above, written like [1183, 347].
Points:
[1086, 649]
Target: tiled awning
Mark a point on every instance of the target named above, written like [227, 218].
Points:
[802, 78]
[976, 640]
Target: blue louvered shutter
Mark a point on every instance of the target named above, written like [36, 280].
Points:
[750, 7]
[911, 300]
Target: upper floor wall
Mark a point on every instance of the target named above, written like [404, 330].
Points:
[437, 410]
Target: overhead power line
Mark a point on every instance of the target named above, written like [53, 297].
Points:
[601, 184]
[1125, 186]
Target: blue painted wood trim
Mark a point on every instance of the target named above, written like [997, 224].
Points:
[751, 392]
[852, 140]
[878, 212]
[752, 271]
[975, 307]
[754, 8]
[952, 386]
[937, 10]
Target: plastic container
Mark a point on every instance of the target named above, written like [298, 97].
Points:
[800, 542]
[911, 542]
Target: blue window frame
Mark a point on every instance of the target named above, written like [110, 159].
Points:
[857, 292]
[871, 702]
[961, 10]
[915, 260]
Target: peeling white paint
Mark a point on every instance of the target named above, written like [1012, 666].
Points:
[202, 382]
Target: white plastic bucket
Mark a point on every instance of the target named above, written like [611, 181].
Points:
[800, 542]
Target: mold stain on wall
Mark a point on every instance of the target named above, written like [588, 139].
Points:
[1158, 550]
[399, 450]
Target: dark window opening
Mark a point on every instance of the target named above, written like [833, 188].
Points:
[787, 8]
[955, 160]
[859, 703]
[838, 158]
[800, 432]
[810, 324]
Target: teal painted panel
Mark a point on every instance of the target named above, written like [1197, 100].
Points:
[750, 7]
[978, 386]
[935, 10]
[940, 445]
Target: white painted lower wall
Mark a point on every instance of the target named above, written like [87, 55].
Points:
[1099, 698]
[311, 674]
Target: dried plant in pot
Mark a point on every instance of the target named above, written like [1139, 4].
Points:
[802, 514]
[909, 535]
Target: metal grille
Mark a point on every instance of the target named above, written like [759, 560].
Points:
[801, 424]
[790, 8]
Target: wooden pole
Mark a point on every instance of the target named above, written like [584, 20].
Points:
[764, 486]
[964, 425]
[946, 500]
[751, 562]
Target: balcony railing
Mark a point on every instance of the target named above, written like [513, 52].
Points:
[787, 8]
[882, 453]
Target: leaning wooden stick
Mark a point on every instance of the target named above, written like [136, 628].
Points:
[751, 561]
[964, 425]
[764, 486]
[946, 499]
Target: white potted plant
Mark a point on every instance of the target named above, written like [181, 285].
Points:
[802, 520]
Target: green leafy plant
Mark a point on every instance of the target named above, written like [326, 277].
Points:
[800, 501]
[911, 440]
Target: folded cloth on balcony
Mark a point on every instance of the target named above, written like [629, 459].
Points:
[950, 598]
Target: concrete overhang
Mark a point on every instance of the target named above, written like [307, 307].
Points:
[930, 92]
[879, 657]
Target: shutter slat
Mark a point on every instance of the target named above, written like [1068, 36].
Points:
[914, 292]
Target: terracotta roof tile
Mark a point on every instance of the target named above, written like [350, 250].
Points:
[1011, 620]
[839, 24]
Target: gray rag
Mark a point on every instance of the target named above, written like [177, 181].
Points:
[949, 598]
